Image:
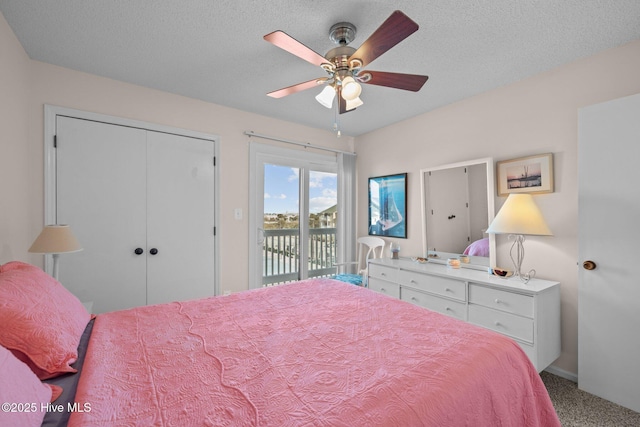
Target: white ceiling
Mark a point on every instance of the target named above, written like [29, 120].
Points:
[213, 49]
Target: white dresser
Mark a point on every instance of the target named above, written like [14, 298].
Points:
[528, 313]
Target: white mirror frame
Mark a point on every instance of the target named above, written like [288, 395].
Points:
[488, 161]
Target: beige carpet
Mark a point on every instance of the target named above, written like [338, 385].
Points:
[577, 408]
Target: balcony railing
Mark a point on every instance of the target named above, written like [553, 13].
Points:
[281, 254]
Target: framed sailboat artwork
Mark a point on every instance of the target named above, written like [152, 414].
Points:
[388, 206]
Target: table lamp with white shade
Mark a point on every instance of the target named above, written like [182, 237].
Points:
[519, 216]
[55, 239]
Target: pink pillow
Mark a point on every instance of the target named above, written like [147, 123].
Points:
[22, 394]
[42, 322]
[478, 248]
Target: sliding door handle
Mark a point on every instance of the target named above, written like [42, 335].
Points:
[153, 251]
[138, 251]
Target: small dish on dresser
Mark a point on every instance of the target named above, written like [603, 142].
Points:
[420, 260]
[500, 272]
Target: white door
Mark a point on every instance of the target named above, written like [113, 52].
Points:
[180, 205]
[142, 205]
[609, 232]
[101, 187]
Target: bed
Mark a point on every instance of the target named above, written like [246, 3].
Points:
[312, 353]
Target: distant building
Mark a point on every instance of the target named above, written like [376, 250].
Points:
[325, 219]
[329, 217]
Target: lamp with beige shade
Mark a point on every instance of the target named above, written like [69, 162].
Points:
[55, 240]
[519, 216]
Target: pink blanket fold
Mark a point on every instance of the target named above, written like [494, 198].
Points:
[312, 353]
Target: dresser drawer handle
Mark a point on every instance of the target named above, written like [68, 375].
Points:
[447, 290]
[498, 323]
[497, 301]
[412, 281]
[414, 299]
[383, 274]
[448, 308]
[383, 290]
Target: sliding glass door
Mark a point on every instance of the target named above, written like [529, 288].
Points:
[280, 255]
[294, 214]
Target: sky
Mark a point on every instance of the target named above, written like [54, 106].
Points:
[281, 193]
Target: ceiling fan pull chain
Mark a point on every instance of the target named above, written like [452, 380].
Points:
[336, 128]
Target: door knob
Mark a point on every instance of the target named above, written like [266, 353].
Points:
[153, 251]
[589, 265]
[138, 251]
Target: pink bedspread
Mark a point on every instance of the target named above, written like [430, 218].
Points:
[312, 353]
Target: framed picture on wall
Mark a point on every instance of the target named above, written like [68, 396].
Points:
[388, 206]
[532, 174]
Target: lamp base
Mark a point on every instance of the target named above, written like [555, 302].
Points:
[518, 257]
[55, 265]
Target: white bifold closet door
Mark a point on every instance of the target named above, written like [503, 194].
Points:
[142, 206]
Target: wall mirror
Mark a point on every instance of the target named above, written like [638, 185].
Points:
[457, 207]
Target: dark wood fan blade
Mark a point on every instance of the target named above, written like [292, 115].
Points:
[396, 28]
[297, 88]
[293, 46]
[412, 82]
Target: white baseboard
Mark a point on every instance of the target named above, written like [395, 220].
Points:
[562, 373]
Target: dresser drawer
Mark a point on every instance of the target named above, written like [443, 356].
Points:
[384, 287]
[382, 272]
[499, 321]
[440, 305]
[449, 288]
[501, 300]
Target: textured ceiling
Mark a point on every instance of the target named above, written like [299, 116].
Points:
[213, 49]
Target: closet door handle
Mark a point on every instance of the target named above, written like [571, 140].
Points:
[138, 251]
[153, 251]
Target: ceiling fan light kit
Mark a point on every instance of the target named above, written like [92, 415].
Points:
[350, 89]
[326, 96]
[352, 104]
[343, 64]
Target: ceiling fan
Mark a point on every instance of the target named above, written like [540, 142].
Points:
[344, 63]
